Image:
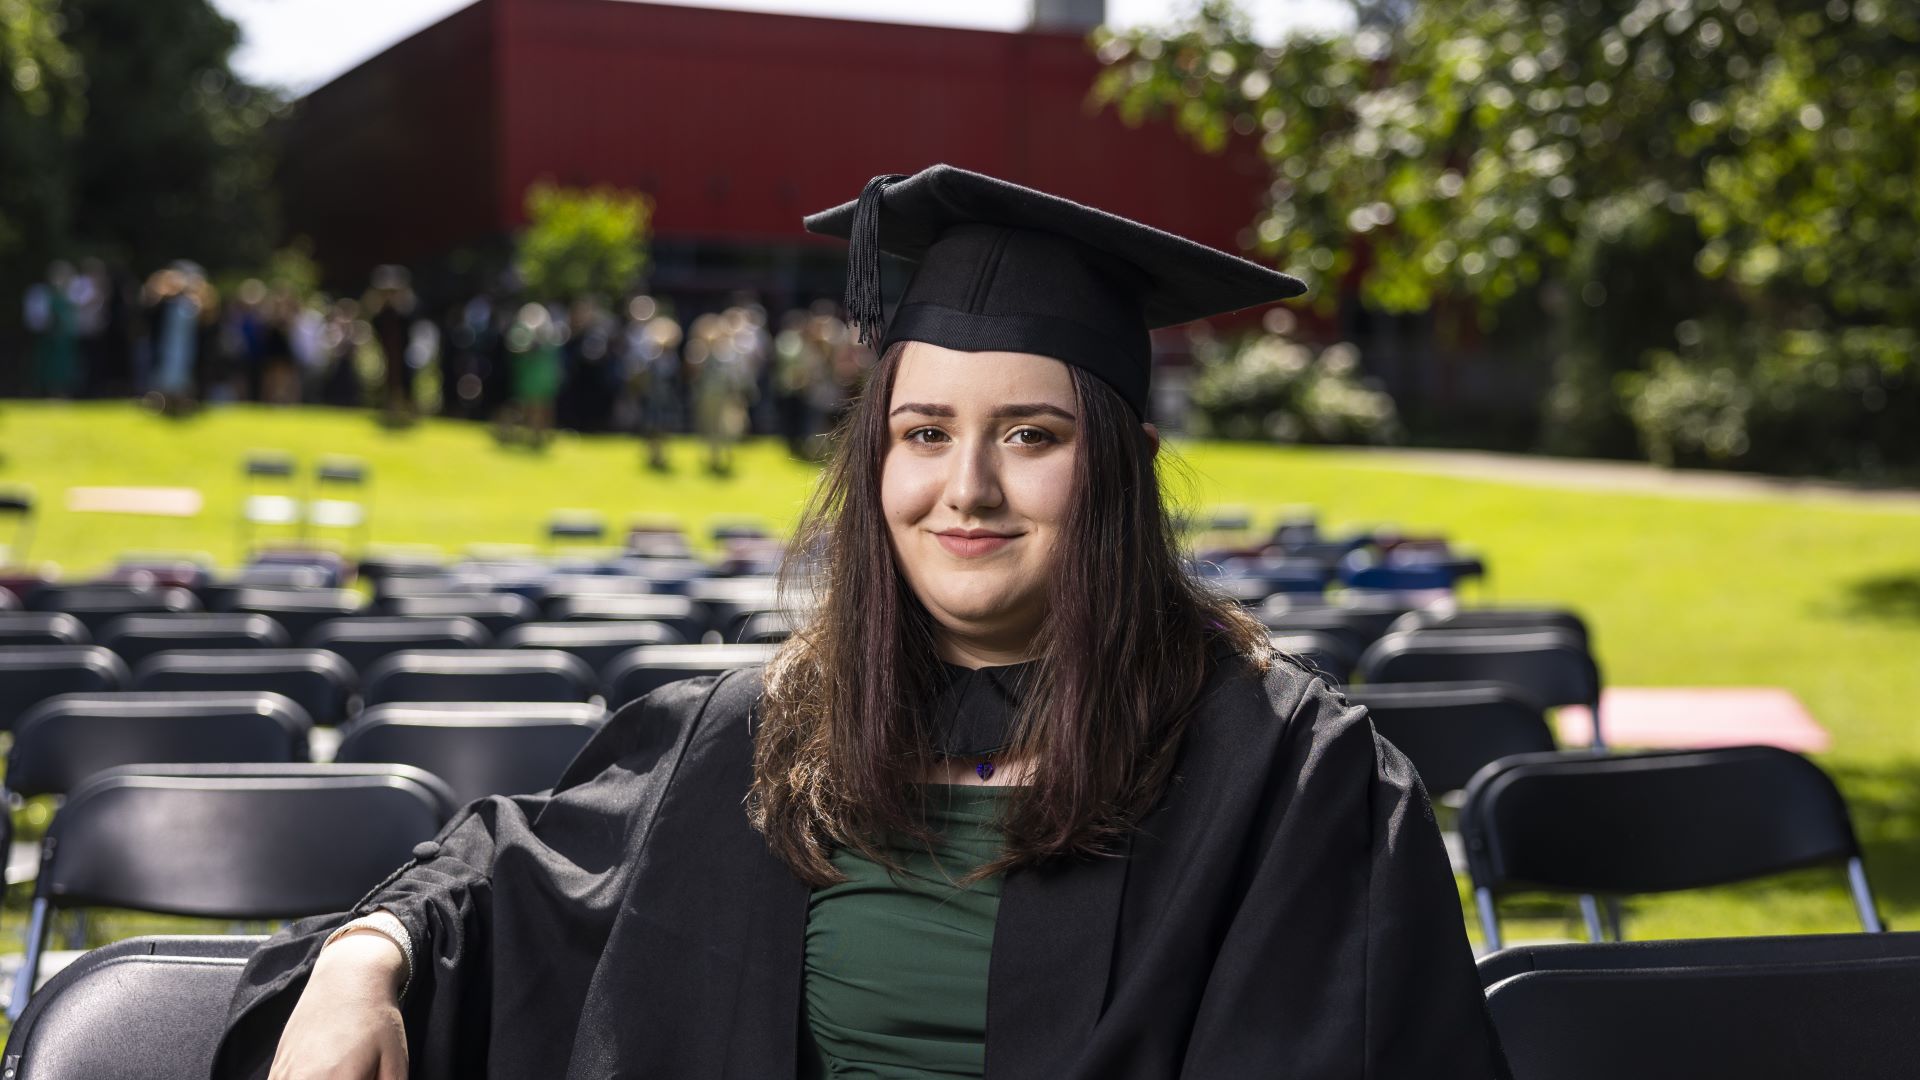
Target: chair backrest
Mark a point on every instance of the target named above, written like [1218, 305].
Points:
[595, 643]
[30, 674]
[1756, 1008]
[1324, 653]
[504, 748]
[1450, 731]
[65, 740]
[480, 675]
[1288, 616]
[764, 627]
[319, 681]
[640, 671]
[41, 628]
[1650, 822]
[498, 612]
[299, 610]
[1450, 617]
[365, 640]
[136, 637]
[98, 605]
[1550, 666]
[237, 841]
[675, 611]
[148, 1008]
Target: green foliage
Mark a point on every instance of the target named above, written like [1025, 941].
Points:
[1267, 387]
[1633, 166]
[1800, 401]
[173, 160]
[40, 109]
[583, 243]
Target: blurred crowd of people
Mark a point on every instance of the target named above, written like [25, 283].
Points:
[527, 365]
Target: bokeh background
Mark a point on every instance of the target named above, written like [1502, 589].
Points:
[1618, 296]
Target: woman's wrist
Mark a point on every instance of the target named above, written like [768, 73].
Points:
[366, 961]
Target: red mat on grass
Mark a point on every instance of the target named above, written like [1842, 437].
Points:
[1697, 716]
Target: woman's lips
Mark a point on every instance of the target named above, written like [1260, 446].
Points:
[966, 545]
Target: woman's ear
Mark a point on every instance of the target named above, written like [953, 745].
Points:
[1153, 440]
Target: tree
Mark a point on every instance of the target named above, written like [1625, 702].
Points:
[1691, 179]
[173, 159]
[583, 243]
[40, 110]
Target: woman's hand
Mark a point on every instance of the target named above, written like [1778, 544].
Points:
[346, 1025]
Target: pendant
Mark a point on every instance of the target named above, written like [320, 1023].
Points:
[984, 770]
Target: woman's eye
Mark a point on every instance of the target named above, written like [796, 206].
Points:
[1028, 436]
[925, 435]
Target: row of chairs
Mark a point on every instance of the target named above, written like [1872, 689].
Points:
[476, 748]
[716, 606]
[330, 690]
[1778, 1008]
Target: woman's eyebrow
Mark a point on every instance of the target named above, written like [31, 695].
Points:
[1034, 408]
[1018, 411]
[923, 409]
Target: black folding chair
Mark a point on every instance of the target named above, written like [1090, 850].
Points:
[365, 640]
[1283, 616]
[677, 612]
[764, 627]
[30, 674]
[41, 628]
[481, 749]
[229, 842]
[1449, 617]
[147, 1008]
[1450, 731]
[640, 671]
[136, 637]
[63, 741]
[723, 603]
[595, 643]
[1652, 822]
[319, 681]
[1771, 1008]
[498, 612]
[299, 610]
[1550, 666]
[480, 675]
[1324, 653]
[97, 605]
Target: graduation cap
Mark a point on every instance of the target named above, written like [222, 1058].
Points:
[1002, 267]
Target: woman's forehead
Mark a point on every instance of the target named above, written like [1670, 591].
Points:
[950, 376]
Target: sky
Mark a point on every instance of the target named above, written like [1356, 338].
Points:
[300, 44]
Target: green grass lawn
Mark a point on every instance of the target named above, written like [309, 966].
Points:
[1819, 596]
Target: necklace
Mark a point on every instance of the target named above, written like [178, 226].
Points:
[984, 770]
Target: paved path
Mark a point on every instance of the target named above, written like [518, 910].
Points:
[1639, 477]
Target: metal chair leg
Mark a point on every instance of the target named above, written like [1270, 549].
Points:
[30, 967]
[1489, 918]
[1863, 897]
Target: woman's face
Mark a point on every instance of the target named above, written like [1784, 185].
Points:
[976, 485]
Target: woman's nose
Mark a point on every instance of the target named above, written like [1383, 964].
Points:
[973, 484]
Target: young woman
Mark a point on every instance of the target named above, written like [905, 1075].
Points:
[1020, 801]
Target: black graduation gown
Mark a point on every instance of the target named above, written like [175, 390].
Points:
[1288, 911]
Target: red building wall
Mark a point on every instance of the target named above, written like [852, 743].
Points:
[737, 123]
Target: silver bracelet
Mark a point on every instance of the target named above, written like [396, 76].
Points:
[387, 925]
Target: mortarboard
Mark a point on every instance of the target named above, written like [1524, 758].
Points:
[1006, 268]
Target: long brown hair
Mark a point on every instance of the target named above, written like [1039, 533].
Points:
[1123, 653]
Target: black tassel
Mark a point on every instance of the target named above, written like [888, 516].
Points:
[865, 308]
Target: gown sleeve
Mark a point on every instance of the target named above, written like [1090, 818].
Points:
[1347, 955]
[520, 885]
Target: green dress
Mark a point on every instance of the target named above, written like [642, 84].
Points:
[896, 970]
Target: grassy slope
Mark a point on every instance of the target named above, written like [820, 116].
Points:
[1820, 597]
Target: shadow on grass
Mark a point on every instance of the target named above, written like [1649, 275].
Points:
[1893, 597]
